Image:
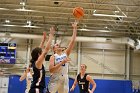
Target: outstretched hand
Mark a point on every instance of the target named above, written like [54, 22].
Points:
[74, 24]
[52, 30]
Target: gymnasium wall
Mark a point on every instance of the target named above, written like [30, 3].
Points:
[104, 60]
[104, 63]
[4, 83]
[108, 61]
[135, 66]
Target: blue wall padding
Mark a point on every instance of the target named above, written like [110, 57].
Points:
[15, 86]
[113, 86]
[103, 86]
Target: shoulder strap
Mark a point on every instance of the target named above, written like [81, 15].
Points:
[78, 76]
[85, 75]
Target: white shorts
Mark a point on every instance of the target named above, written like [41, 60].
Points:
[58, 83]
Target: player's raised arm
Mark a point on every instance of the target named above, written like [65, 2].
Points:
[43, 40]
[40, 60]
[73, 38]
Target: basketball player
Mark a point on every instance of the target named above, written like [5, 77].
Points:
[38, 56]
[59, 66]
[84, 81]
[28, 75]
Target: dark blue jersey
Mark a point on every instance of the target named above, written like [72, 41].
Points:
[38, 77]
[83, 83]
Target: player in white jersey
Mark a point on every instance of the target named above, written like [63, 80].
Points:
[58, 67]
[28, 75]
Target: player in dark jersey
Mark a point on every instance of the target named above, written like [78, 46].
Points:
[84, 81]
[38, 57]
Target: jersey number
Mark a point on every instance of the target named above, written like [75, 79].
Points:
[82, 86]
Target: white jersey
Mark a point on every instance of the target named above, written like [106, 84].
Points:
[64, 67]
[29, 79]
[59, 81]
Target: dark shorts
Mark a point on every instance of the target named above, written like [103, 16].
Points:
[84, 92]
[36, 90]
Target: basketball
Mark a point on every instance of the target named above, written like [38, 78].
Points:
[78, 12]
